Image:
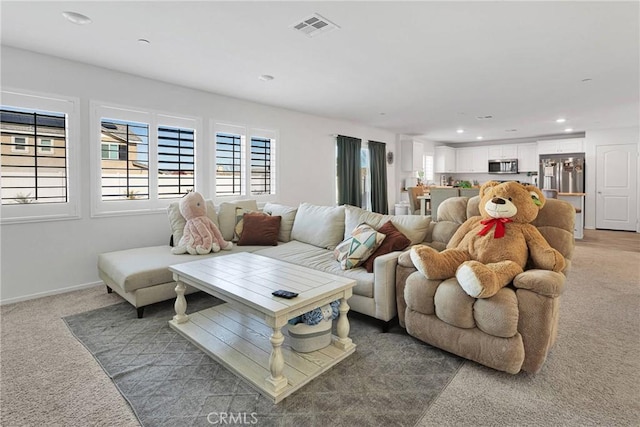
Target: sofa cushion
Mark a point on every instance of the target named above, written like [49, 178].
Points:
[177, 221]
[321, 226]
[260, 229]
[394, 241]
[415, 227]
[227, 216]
[354, 251]
[133, 269]
[288, 214]
[311, 256]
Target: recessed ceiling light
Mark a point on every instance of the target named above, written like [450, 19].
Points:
[266, 77]
[144, 41]
[511, 130]
[568, 130]
[460, 131]
[478, 137]
[383, 114]
[76, 18]
[561, 120]
[586, 80]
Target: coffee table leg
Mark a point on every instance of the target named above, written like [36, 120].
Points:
[180, 304]
[343, 342]
[276, 362]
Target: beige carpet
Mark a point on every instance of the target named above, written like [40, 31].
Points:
[591, 377]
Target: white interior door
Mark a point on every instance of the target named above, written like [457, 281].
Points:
[617, 187]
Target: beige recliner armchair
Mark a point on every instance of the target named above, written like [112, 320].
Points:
[511, 331]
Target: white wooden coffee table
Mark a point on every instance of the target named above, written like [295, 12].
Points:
[235, 334]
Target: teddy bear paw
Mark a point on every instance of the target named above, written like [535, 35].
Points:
[215, 247]
[469, 281]
[227, 246]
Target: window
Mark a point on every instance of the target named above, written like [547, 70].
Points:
[38, 158]
[176, 161]
[260, 165]
[427, 162]
[228, 164]
[241, 169]
[365, 177]
[125, 171]
[19, 144]
[33, 176]
[45, 146]
[142, 160]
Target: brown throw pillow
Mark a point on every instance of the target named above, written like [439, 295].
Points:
[395, 241]
[260, 230]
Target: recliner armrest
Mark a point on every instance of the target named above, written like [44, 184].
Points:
[543, 282]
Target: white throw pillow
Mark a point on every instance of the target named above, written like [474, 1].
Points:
[288, 214]
[321, 226]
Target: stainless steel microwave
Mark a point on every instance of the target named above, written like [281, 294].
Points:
[503, 166]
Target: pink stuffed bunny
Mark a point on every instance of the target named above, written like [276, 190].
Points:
[201, 235]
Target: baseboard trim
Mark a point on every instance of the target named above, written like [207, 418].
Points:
[49, 293]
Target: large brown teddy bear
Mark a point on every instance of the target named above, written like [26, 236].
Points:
[489, 250]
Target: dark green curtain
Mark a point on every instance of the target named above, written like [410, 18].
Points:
[349, 191]
[378, 167]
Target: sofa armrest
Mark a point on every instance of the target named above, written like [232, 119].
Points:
[543, 282]
[384, 285]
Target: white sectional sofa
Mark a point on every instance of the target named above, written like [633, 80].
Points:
[308, 235]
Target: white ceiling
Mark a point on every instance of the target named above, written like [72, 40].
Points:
[417, 68]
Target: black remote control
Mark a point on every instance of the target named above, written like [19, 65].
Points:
[284, 294]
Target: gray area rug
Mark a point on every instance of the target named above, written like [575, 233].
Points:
[391, 379]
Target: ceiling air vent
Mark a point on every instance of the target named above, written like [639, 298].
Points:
[314, 25]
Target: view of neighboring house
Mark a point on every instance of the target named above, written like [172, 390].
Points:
[34, 158]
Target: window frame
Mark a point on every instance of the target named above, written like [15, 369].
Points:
[50, 149]
[155, 119]
[246, 135]
[70, 106]
[20, 147]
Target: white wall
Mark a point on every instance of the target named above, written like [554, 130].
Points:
[593, 139]
[48, 257]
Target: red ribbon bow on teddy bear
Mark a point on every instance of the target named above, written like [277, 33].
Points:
[499, 223]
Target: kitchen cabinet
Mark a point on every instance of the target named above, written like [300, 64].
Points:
[528, 157]
[505, 151]
[445, 159]
[569, 145]
[472, 159]
[412, 153]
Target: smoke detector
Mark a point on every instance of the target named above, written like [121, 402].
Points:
[314, 25]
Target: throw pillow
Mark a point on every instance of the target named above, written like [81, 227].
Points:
[321, 226]
[227, 215]
[394, 241]
[260, 229]
[356, 249]
[240, 213]
[415, 227]
[288, 214]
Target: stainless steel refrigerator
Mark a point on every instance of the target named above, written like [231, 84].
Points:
[562, 172]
